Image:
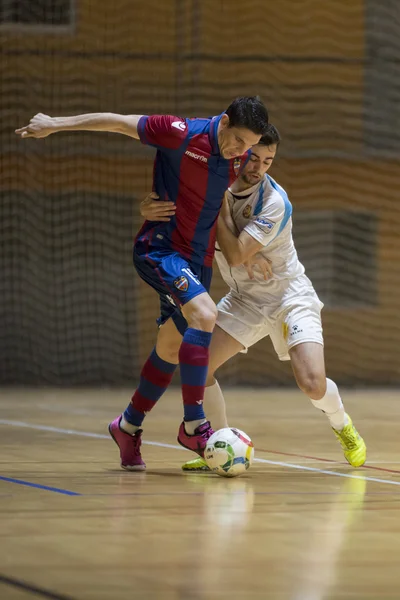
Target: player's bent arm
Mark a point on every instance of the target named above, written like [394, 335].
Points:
[236, 249]
[43, 125]
[226, 215]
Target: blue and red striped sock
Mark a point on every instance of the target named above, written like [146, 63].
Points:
[155, 377]
[193, 362]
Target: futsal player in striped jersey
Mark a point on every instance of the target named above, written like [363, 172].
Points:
[255, 225]
[196, 161]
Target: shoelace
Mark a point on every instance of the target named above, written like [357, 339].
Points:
[137, 443]
[349, 439]
[208, 433]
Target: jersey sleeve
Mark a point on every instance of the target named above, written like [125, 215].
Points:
[162, 131]
[266, 226]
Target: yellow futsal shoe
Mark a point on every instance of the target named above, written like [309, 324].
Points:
[354, 448]
[196, 465]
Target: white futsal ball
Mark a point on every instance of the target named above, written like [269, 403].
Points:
[229, 452]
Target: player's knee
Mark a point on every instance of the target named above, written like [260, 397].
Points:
[168, 349]
[203, 318]
[313, 385]
[170, 354]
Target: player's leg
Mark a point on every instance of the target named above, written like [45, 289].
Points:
[186, 288]
[200, 314]
[191, 352]
[308, 367]
[309, 370]
[155, 377]
[223, 347]
[239, 326]
[158, 370]
[302, 342]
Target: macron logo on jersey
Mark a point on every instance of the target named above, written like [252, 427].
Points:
[196, 156]
[181, 125]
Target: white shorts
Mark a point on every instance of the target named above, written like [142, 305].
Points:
[297, 323]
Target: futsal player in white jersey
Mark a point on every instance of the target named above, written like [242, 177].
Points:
[255, 227]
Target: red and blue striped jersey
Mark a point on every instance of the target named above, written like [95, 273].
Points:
[189, 171]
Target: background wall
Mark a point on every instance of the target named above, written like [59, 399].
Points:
[71, 307]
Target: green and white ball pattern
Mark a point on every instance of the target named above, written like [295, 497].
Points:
[229, 452]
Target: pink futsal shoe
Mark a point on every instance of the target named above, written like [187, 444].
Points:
[129, 446]
[198, 441]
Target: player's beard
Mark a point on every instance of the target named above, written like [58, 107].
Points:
[251, 179]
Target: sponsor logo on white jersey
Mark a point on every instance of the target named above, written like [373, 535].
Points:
[181, 125]
[265, 224]
[196, 156]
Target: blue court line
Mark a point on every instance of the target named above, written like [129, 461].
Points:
[39, 486]
[176, 447]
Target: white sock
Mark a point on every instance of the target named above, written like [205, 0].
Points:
[190, 426]
[128, 427]
[214, 406]
[331, 404]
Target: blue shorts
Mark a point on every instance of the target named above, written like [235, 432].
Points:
[175, 279]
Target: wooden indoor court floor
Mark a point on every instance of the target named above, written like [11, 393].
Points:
[301, 525]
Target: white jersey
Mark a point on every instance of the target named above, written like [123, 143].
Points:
[286, 306]
[265, 213]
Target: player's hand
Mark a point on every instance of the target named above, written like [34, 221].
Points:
[263, 264]
[40, 126]
[153, 209]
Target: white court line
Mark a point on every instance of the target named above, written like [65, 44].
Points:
[102, 436]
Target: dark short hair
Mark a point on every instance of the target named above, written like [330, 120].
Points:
[271, 137]
[249, 112]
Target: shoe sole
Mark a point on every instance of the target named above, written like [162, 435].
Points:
[356, 466]
[133, 467]
[196, 469]
[126, 467]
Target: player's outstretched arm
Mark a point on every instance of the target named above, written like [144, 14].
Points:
[41, 126]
